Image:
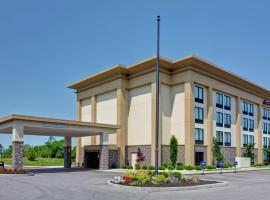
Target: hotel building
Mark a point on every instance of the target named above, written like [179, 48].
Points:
[198, 101]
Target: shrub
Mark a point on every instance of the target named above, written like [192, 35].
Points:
[176, 174]
[180, 163]
[161, 167]
[259, 165]
[165, 165]
[228, 165]
[198, 167]
[129, 167]
[158, 179]
[151, 167]
[124, 166]
[144, 167]
[59, 154]
[171, 167]
[189, 167]
[137, 166]
[210, 167]
[164, 174]
[173, 149]
[141, 176]
[31, 154]
[179, 167]
[217, 153]
[113, 165]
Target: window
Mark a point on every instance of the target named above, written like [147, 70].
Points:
[199, 136]
[219, 119]
[219, 135]
[251, 125]
[265, 113]
[265, 128]
[245, 124]
[227, 120]
[268, 116]
[227, 138]
[199, 115]
[245, 140]
[251, 139]
[198, 94]
[219, 100]
[264, 142]
[245, 108]
[227, 102]
[268, 142]
[250, 109]
[268, 128]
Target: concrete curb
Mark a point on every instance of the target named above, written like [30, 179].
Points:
[166, 189]
[29, 174]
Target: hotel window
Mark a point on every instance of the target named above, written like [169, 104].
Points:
[268, 117]
[268, 128]
[245, 108]
[265, 128]
[250, 109]
[219, 100]
[245, 140]
[227, 120]
[268, 142]
[245, 124]
[199, 136]
[227, 138]
[251, 139]
[251, 125]
[264, 142]
[227, 102]
[198, 94]
[219, 119]
[199, 115]
[265, 113]
[219, 135]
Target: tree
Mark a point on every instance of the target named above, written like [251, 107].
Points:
[140, 156]
[1, 150]
[218, 155]
[31, 154]
[73, 153]
[267, 151]
[173, 149]
[250, 152]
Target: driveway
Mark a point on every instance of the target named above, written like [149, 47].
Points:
[86, 184]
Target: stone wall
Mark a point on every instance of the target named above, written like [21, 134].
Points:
[145, 149]
[67, 157]
[165, 154]
[17, 155]
[229, 153]
[113, 158]
[104, 157]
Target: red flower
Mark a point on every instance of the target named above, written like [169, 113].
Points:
[127, 179]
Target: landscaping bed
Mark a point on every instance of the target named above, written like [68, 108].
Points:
[14, 171]
[144, 178]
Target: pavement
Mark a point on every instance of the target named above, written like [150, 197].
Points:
[82, 184]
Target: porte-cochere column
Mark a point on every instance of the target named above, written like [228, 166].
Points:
[17, 145]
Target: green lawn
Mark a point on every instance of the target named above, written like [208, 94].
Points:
[38, 162]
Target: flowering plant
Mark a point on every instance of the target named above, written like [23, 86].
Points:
[13, 171]
[127, 179]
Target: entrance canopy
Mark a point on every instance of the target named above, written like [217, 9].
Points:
[29, 125]
[20, 125]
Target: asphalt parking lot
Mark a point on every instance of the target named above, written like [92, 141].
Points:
[86, 184]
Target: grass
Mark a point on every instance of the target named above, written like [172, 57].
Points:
[38, 162]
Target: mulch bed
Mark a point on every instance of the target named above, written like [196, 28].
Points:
[177, 184]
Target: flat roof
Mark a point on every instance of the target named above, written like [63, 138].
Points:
[192, 61]
[56, 127]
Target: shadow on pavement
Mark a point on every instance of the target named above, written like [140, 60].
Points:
[58, 170]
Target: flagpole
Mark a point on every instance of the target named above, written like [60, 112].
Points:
[157, 98]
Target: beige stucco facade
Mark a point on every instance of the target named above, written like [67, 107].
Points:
[125, 96]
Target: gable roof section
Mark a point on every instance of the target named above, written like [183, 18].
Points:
[192, 62]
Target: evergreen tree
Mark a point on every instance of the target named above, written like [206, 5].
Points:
[250, 152]
[218, 155]
[173, 149]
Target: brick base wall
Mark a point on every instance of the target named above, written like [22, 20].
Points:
[145, 149]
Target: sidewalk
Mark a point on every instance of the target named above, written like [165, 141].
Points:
[197, 172]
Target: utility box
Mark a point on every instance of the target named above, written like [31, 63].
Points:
[243, 162]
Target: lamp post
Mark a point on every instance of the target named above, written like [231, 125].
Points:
[157, 98]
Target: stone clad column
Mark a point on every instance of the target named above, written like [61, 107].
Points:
[189, 123]
[209, 125]
[17, 146]
[67, 152]
[238, 127]
[259, 142]
[104, 151]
